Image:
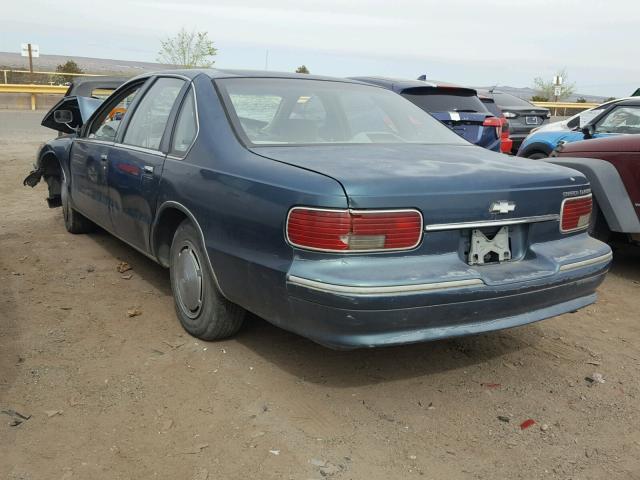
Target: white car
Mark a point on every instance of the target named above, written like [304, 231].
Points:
[578, 120]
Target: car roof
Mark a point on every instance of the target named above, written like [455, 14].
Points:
[215, 74]
[399, 84]
[629, 101]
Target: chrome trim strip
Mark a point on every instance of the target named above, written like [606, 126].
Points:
[586, 263]
[93, 140]
[394, 289]
[136, 148]
[354, 211]
[492, 223]
[562, 209]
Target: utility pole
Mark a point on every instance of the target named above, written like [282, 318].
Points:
[29, 50]
[557, 90]
[30, 63]
[266, 60]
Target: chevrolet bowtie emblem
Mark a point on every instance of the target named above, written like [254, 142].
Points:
[502, 206]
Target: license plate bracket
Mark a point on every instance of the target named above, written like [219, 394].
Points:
[531, 120]
[484, 250]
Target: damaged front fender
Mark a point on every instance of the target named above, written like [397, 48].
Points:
[33, 178]
[52, 158]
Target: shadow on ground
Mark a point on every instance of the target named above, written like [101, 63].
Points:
[626, 261]
[146, 268]
[317, 364]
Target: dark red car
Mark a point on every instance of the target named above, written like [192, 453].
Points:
[612, 165]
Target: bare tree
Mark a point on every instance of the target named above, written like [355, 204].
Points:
[189, 49]
[546, 89]
[302, 69]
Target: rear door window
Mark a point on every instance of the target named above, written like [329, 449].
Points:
[622, 119]
[186, 126]
[150, 116]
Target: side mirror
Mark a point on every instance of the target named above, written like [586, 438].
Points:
[63, 116]
[588, 131]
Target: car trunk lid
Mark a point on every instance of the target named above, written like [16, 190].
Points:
[447, 183]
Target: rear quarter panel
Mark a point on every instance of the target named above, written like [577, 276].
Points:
[241, 201]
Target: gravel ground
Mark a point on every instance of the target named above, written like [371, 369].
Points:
[113, 397]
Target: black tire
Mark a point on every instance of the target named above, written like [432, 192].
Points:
[538, 156]
[200, 307]
[598, 226]
[74, 222]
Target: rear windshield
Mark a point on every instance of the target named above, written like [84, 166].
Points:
[289, 111]
[505, 100]
[444, 99]
[491, 106]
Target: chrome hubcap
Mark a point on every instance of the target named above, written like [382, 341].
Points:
[189, 281]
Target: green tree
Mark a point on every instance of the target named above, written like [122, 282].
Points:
[302, 69]
[539, 98]
[69, 66]
[188, 49]
[546, 88]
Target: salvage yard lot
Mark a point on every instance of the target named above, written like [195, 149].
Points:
[119, 397]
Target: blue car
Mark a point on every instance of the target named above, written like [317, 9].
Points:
[459, 108]
[615, 118]
[331, 208]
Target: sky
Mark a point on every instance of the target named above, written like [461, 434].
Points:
[470, 42]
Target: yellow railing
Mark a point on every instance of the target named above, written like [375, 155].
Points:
[33, 90]
[582, 105]
[4, 72]
[560, 108]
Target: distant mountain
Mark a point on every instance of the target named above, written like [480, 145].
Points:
[48, 63]
[526, 93]
[106, 66]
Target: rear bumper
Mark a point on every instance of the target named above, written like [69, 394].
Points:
[517, 139]
[353, 316]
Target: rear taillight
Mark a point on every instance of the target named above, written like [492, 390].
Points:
[493, 122]
[353, 230]
[575, 213]
[506, 144]
[505, 127]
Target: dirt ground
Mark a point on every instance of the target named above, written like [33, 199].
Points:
[114, 397]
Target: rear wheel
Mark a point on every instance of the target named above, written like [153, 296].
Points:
[201, 308]
[598, 226]
[538, 156]
[74, 222]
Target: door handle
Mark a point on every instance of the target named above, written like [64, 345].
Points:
[147, 169]
[103, 157]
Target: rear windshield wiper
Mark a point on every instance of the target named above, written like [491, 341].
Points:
[465, 110]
